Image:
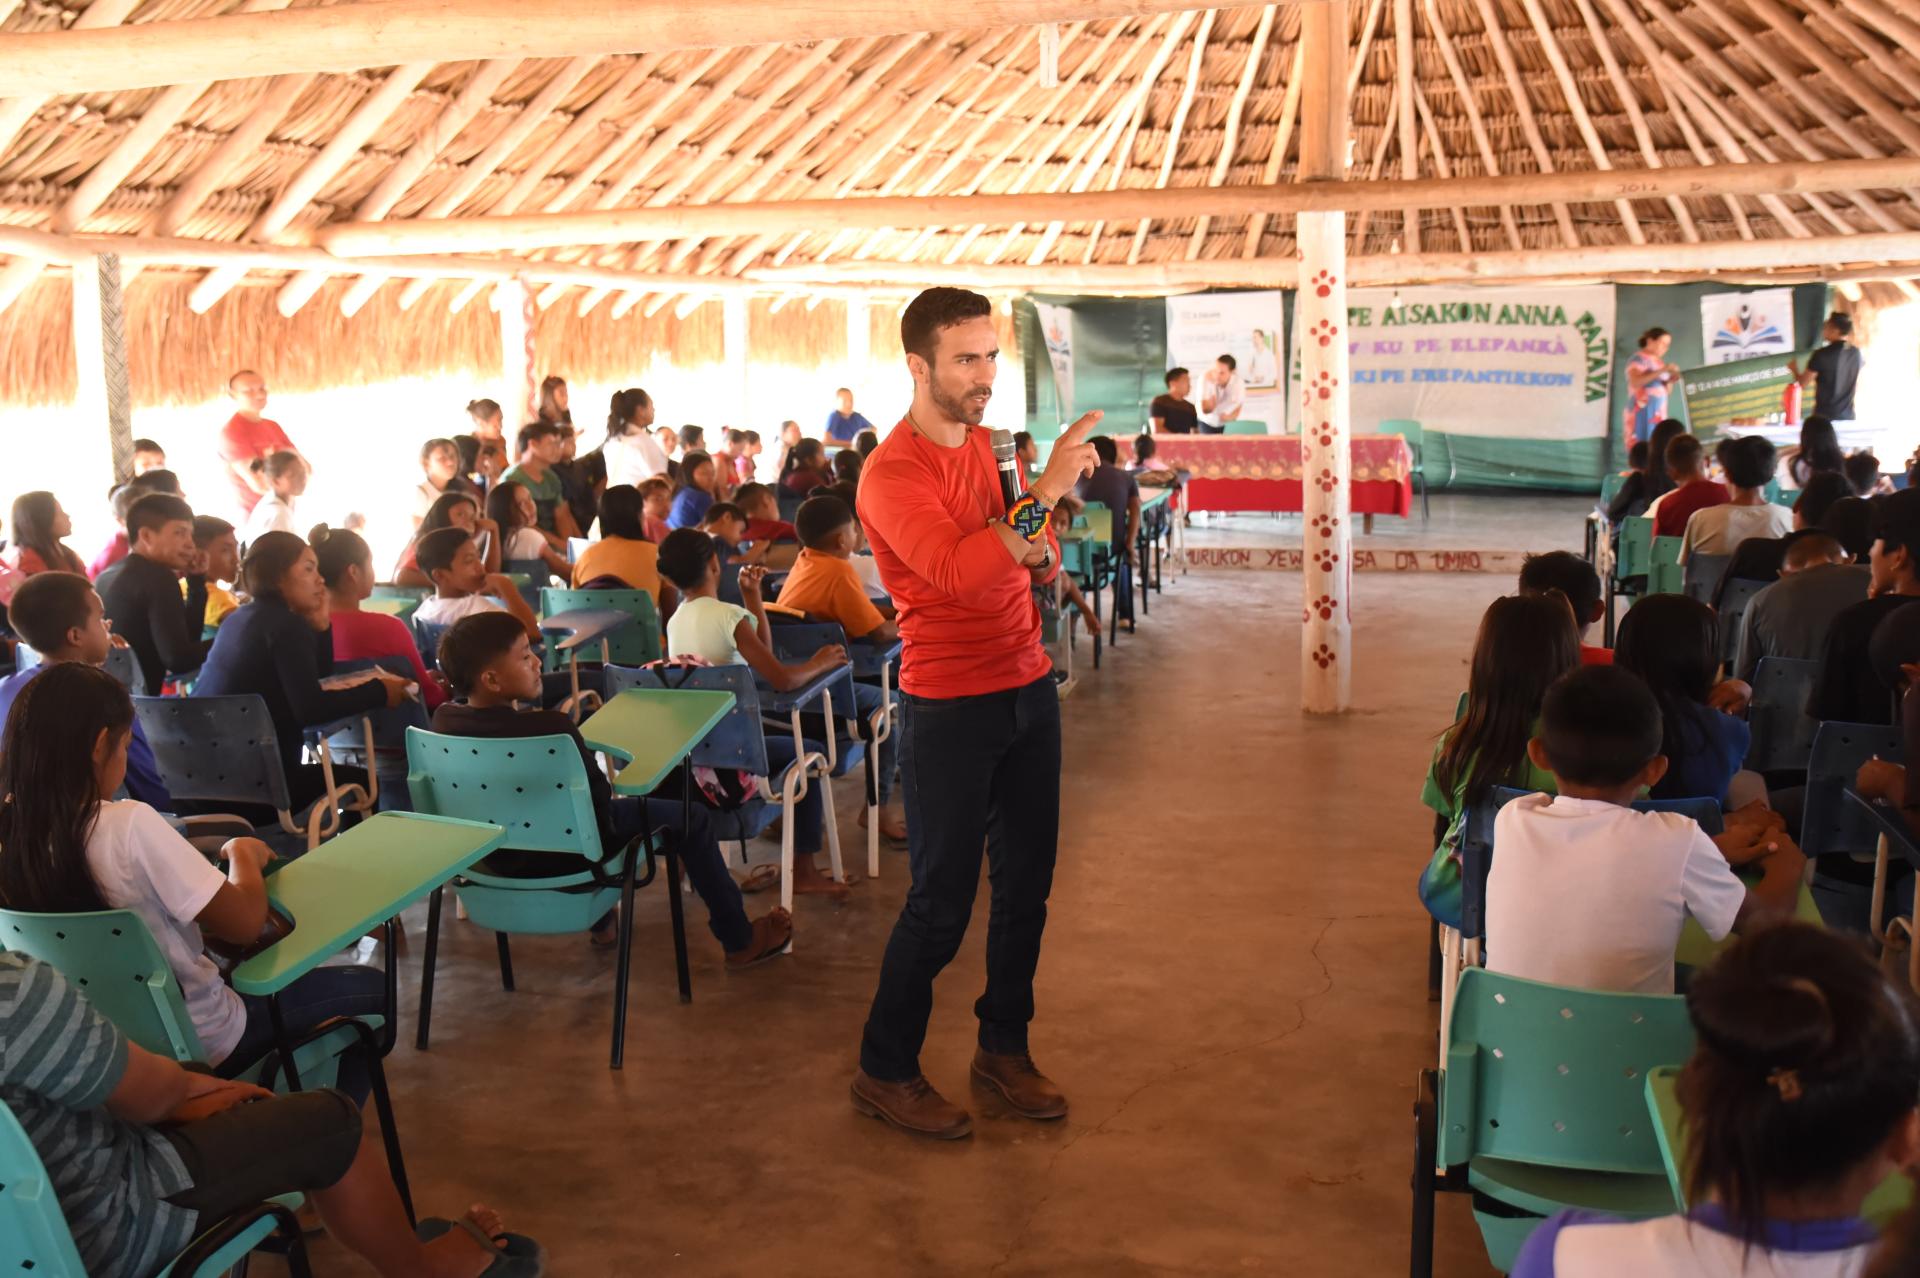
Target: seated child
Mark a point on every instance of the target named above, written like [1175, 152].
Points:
[145, 1154]
[1579, 584]
[489, 665]
[60, 617]
[1584, 890]
[762, 510]
[450, 510]
[147, 455]
[462, 585]
[657, 503]
[728, 528]
[624, 553]
[72, 848]
[219, 547]
[723, 634]
[1799, 1102]
[1673, 643]
[824, 585]
[697, 483]
[286, 477]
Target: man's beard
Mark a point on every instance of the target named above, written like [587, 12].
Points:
[962, 408]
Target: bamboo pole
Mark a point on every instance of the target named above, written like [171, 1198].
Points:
[1171, 152]
[383, 32]
[630, 225]
[1557, 59]
[1464, 88]
[1230, 136]
[1496, 34]
[1630, 100]
[1277, 154]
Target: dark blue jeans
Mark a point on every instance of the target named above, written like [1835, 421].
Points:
[700, 857]
[974, 771]
[320, 995]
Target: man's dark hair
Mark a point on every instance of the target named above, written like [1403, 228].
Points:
[1600, 726]
[1568, 573]
[1637, 455]
[531, 434]
[1232, 364]
[1842, 323]
[208, 529]
[819, 518]
[1683, 453]
[1863, 473]
[1103, 445]
[158, 480]
[1749, 462]
[845, 490]
[933, 310]
[747, 496]
[148, 446]
[154, 510]
[692, 437]
[722, 510]
[684, 556]
[1897, 522]
[472, 644]
[1173, 373]
[435, 551]
[1021, 439]
[47, 605]
[1823, 488]
[244, 372]
[623, 513]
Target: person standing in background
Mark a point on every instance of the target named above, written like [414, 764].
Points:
[553, 402]
[248, 437]
[1224, 398]
[1834, 370]
[843, 424]
[1649, 379]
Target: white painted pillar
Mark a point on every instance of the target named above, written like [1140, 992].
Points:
[519, 382]
[859, 344]
[733, 347]
[104, 402]
[1320, 318]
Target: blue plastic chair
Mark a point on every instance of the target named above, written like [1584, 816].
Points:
[797, 641]
[634, 645]
[1665, 574]
[1700, 574]
[34, 1235]
[1733, 613]
[225, 750]
[1542, 1107]
[1782, 731]
[1830, 824]
[536, 789]
[530, 576]
[120, 663]
[426, 637]
[739, 742]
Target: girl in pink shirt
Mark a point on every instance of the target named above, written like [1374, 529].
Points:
[346, 565]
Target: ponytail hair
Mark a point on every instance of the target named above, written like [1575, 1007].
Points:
[1807, 1061]
[623, 408]
[48, 796]
[338, 549]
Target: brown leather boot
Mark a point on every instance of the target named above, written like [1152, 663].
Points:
[912, 1106]
[1027, 1091]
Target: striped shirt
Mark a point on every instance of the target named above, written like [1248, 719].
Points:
[59, 1061]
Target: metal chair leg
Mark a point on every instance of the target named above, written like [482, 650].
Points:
[390, 1134]
[623, 962]
[1433, 960]
[678, 913]
[506, 961]
[426, 970]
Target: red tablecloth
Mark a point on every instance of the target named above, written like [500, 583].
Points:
[1263, 472]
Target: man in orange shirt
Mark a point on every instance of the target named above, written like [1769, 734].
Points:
[823, 584]
[980, 716]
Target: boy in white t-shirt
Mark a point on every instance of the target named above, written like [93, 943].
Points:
[462, 585]
[1585, 891]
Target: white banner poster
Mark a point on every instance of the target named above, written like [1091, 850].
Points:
[1518, 363]
[1743, 325]
[1201, 327]
[1056, 329]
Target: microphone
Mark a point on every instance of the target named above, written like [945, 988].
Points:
[1012, 488]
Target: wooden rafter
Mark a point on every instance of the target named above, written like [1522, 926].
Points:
[1403, 70]
[1557, 59]
[636, 130]
[1896, 121]
[1869, 44]
[1358, 235]
[637, 167]
[1230, 136]
[236, 147]
[1630, 101]
[1170, 154]
[1496, 34]
[1442, 167]
[1464, 87]
[1277, 154]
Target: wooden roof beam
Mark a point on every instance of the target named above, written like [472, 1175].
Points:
[1170, 155]
[1442, 167]
[583, 125]
[1277, 154]
[1236, 109]
[1464, 87]
[1496, 35]
[1894, 119]
[1623, 89]
[1403, 70]
[1570, 90]
[238, 146]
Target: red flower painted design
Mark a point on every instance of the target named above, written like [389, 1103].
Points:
[1325, 524]
[1323, 384]
[1323, 282]
[1327, 481]
[1324, 332]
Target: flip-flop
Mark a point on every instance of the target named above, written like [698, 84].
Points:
[761, 878]
[516, 1255]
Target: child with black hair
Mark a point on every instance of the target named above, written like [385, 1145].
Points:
[824, 585]
[345, 563]
[724, 634]
[147, 455]
[1578, 584]
[451, 510]
[462, 585]
[846, 466]
[1673, 643]
[1799, 1101]
[285, 473]
[762, 512]
[697, 491]
[656, 499]
[218, 547]
[623, 553]
[1692, 491]
[727, 525]
[1847, 690]
[1862, 471]
[510, 506]
[1631, 497]
[490, 666]
[142, 593]
[1584, 890]
[1718, 529]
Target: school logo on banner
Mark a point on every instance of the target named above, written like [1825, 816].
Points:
[1744, 325]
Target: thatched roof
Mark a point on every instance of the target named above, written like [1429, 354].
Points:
[1166, 99]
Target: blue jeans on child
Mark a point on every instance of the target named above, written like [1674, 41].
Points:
[319, 996]
[699, 855]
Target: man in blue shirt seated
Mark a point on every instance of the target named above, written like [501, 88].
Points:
[843, 424]
[61, 618]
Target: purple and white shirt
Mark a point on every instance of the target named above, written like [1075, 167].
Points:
[1701, 1244]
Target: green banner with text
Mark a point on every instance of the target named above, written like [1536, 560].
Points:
[1742, 393]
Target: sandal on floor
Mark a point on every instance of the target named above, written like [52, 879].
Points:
[516, 1256]
[772, 933]
[761, 878]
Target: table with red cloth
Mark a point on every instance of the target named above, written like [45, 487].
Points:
[1263, 472]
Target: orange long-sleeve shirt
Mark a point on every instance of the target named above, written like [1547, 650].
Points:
[967, 619]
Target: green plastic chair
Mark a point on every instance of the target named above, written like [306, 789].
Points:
[34, 1236]
[536, 788]
[1098, 567]
[1610, 485]
[1543, 1107]
[1245, 428]
[1665, 574]
[1416, 436]
[634, 645]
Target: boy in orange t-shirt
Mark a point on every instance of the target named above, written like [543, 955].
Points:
[823, 584]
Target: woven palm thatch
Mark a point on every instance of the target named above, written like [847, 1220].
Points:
[1190, 99]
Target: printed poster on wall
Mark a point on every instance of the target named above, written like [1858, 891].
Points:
[1056, 329]
[1735, 326]
[1201, 327]
[1516, 363]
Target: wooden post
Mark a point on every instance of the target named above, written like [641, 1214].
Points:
[519, 402]
[1320, 319]
[733, 351]
[104, 395]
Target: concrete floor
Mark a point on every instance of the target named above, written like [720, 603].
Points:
[1232, 994]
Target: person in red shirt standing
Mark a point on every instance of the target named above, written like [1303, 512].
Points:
[249, 437]
[980, 715]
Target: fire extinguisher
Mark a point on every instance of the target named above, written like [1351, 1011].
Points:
[1790, 403]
